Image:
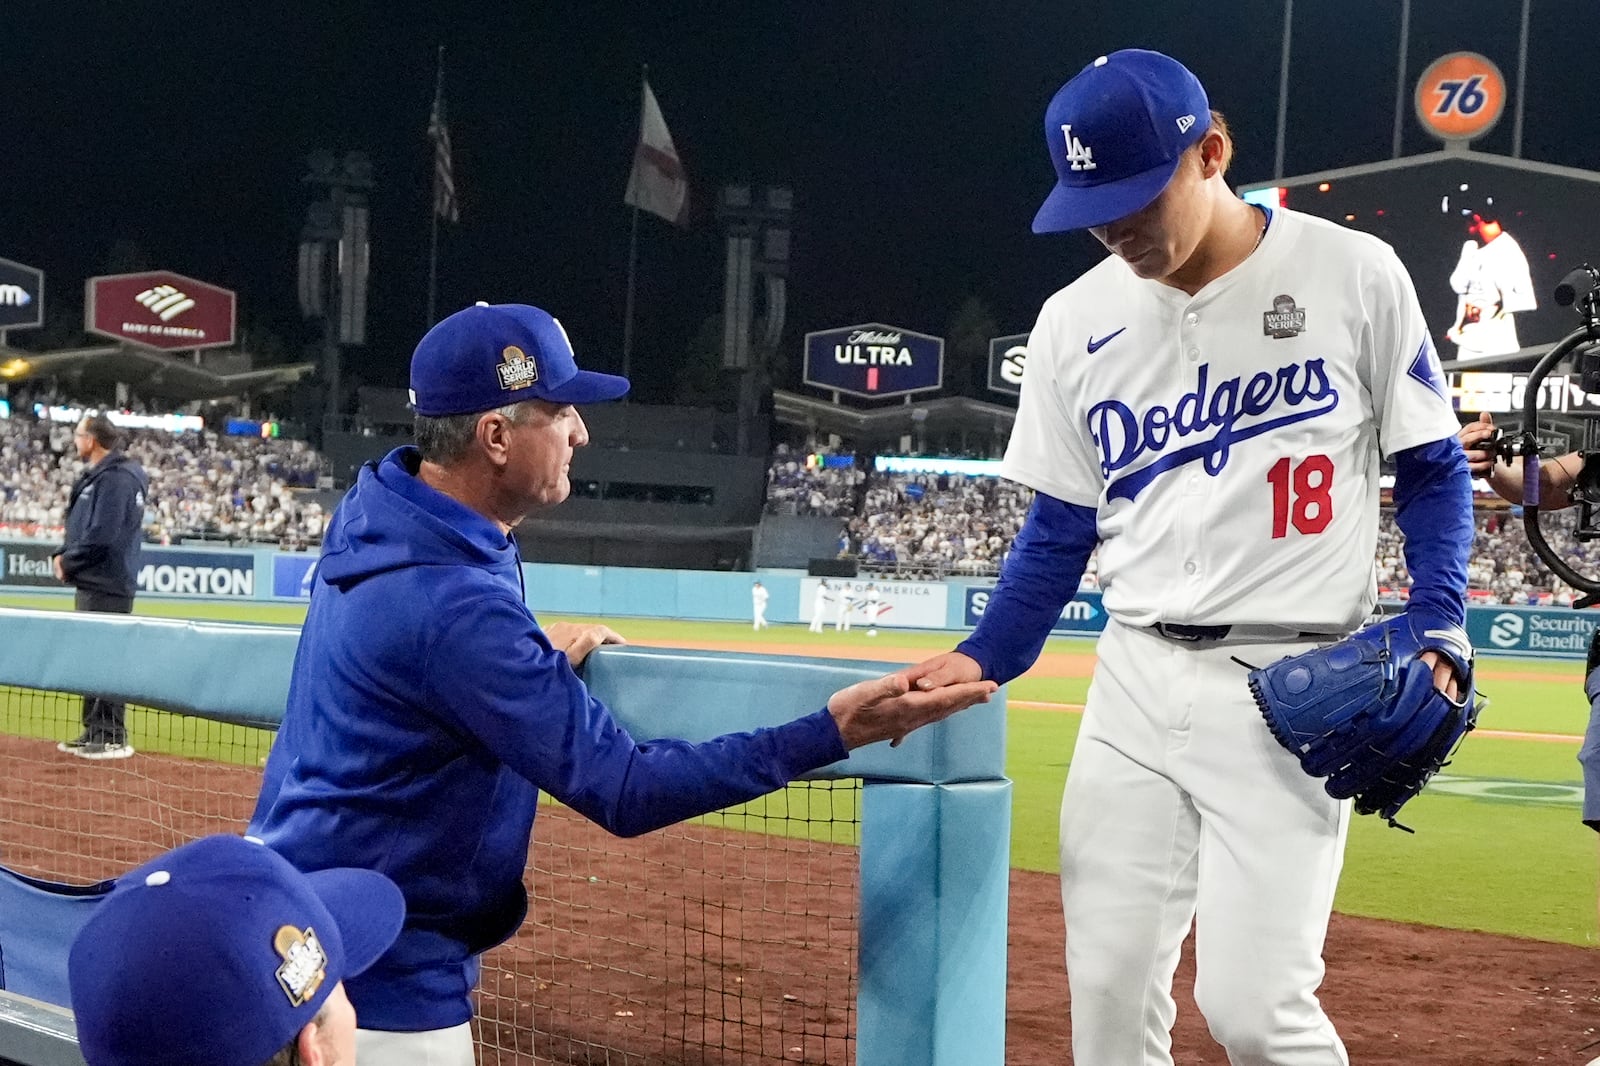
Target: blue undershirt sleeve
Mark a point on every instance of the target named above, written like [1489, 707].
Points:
[1433, 508]
[1040, 576]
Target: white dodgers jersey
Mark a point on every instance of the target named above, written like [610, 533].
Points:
[1229, 441]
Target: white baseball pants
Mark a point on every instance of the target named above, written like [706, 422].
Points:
[431, 1047]
[1180, 807]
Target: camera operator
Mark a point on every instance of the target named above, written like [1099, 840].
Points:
[1556, 478]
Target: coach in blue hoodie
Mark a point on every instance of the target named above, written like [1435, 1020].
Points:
[100, 559]
[428, 707]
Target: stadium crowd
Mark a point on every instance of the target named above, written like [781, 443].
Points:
[796, 488]
[203, 485]
[933, 525]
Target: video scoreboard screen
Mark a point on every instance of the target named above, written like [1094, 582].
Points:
[1486, 242]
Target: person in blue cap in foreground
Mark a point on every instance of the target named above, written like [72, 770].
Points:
[221, 953]
[428, 707]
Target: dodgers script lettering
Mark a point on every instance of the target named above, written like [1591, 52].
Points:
[1297, 392]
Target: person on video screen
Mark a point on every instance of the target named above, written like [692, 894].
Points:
[1492, 283]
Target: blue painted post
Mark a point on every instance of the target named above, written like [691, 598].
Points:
[935, 872]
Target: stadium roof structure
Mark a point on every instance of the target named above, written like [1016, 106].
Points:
[1424, 159]
[152, 373]
[892, 420]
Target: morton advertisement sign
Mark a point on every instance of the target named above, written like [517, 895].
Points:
[874, 361]
[159, 309]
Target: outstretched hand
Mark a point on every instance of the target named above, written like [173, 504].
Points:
[888, 707]
[949, 668]
[577, 640]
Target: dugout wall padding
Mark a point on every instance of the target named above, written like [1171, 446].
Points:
[935, 820]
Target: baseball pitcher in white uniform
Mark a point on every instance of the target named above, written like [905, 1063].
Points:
[1208, 406]
[1493, 283]
[758, 606]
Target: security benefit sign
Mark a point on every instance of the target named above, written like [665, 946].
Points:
[229, 575]
[1082, 614]
[28, 564]
[1553, 633]
[159, 309]
[1007, 357]
[874, 361]
[21, 296]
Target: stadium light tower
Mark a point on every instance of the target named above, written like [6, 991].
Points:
[334, 253]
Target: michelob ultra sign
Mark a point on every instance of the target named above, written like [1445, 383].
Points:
[874, 360]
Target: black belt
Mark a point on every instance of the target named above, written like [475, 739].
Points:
[1193, 634]
[1175, 631]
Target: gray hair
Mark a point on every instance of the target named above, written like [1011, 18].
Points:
[448, 438]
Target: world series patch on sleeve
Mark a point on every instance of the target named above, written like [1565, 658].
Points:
[1364, 713]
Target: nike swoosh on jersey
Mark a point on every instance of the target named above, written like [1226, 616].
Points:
[1096, 345]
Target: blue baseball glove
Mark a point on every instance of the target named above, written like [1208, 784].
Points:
[1364, 713]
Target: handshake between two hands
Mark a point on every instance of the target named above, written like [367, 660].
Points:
[889, 707]
[883, 708]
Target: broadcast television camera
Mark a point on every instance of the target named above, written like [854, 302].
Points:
[1579, 289]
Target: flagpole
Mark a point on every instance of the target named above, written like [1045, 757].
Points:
[1283, 88]
[633, 247]
[1400, 77]
[1522, 83]
[627, 314]
[433, 209]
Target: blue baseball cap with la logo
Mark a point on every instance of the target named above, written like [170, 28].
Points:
[495, 355]
[1115, 133]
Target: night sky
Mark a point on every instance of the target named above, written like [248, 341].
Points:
[174, 136]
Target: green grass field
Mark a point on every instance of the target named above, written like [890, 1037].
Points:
[1498, 846]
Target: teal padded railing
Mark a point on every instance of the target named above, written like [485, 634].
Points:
[934, 855]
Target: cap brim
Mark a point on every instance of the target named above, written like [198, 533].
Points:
[1081, 207]
[367, 907]
[586, 386]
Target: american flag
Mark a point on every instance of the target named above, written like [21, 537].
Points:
[445, 204]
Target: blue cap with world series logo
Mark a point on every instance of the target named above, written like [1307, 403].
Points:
[220, 952]
[1115, 133]
[496, 355]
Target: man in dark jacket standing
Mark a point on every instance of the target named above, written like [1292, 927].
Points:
[99, 559]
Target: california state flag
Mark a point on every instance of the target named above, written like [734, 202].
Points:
[657, 184]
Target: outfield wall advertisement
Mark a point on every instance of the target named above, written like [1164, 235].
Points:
[226, 575]
[28, 564]
[292, 574]
[1554, 632]
[901, 604]
[1082, 614]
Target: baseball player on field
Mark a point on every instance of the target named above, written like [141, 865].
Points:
[758, 606]
[1208, 405]
[428, 707]
[819, 606]
[847, 607]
